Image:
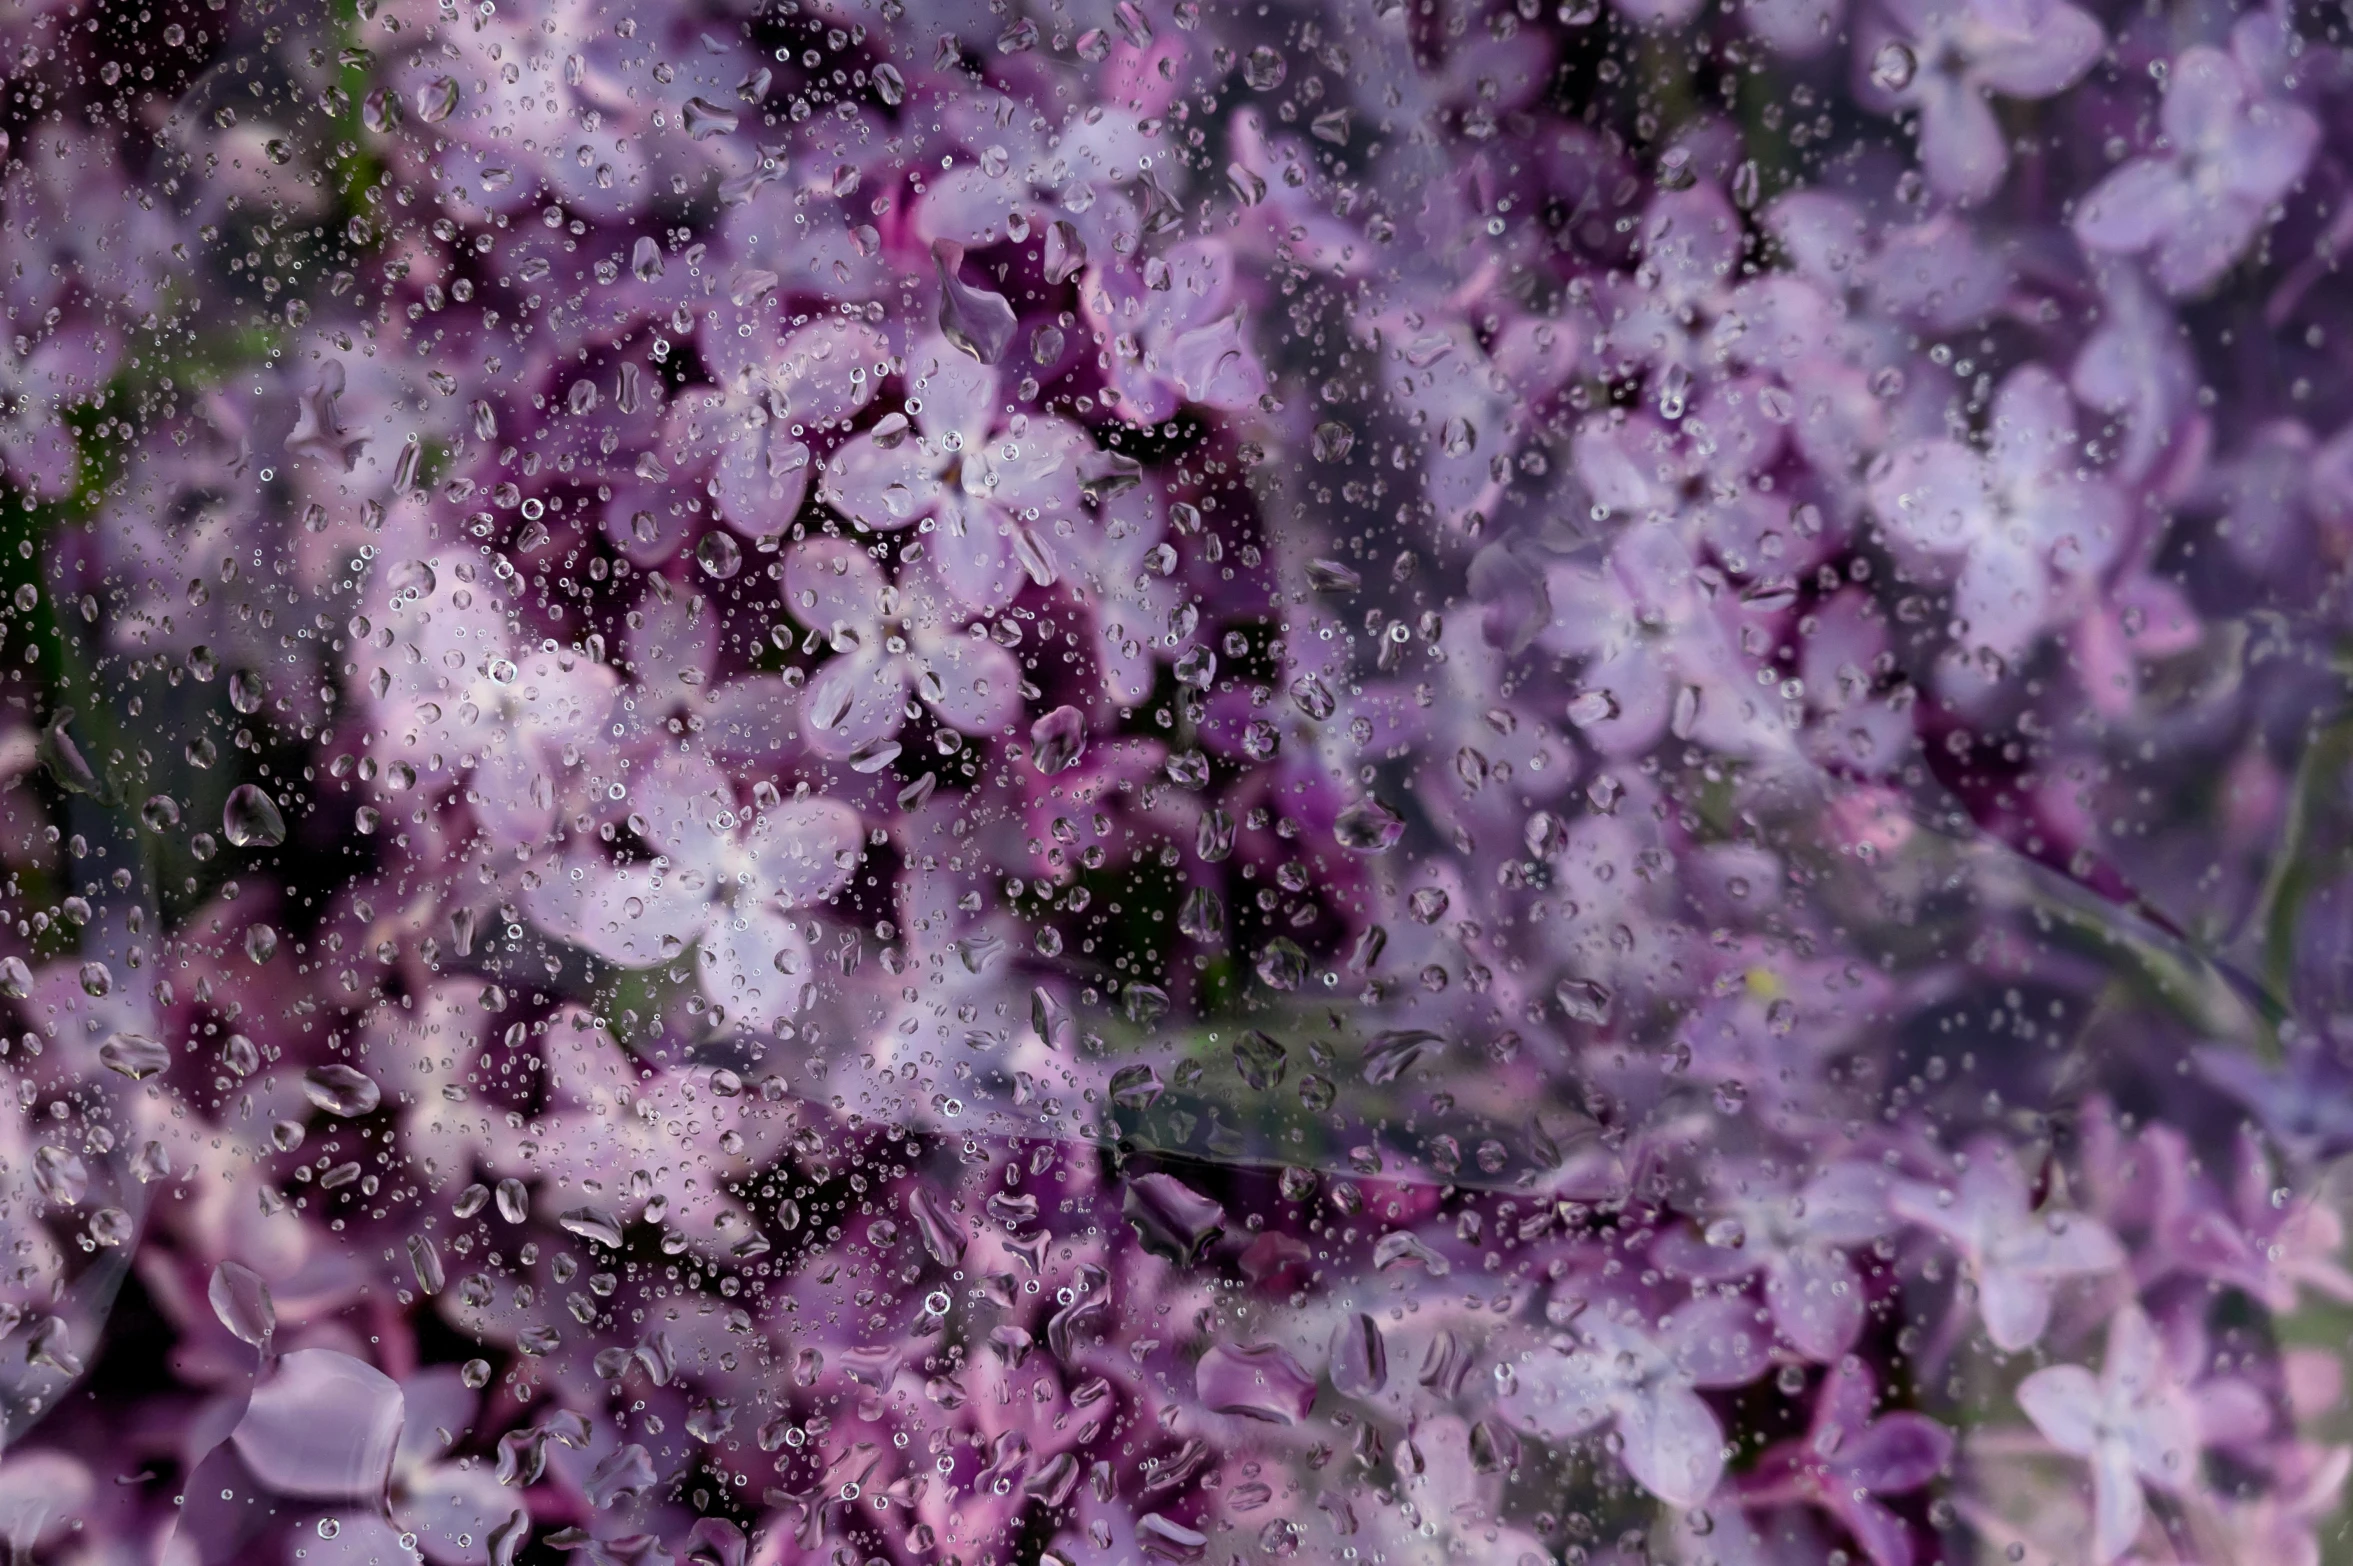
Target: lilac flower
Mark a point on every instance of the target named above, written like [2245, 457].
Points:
[1799, 1236]
[1940, 59]
[1849, 1458]
[2133, 1423]
[888, 638]
[724, 874]
[980, 487]
[1174, 331]
[2228, 155]
[2014, 1256]
[2022, 526]
[1615, 1367]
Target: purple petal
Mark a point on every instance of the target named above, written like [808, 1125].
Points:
[807, 849]
[323, 1427]
[1900, 1452]
[831, 584]
[970, 681]
[2064, 1403]
[1673, 1446]
[1961, 145]
[2133, 207]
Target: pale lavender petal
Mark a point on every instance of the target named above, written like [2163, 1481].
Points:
[830, 584]
[2133, 207]
[1673, 1446]
[2015, 1307]
[2205, 98]
[2050, 55]
[2064, 1403]
[853, 700]
[620, 913]
[1817, 1302]
[1213, 365]
[881, 488]
[1896, 1452]
[958, 394]
[1961, 145]
[322, 1427]
[757, 965]
[972, 556]
[806, 849]
[2117, 1503]
[970, 681]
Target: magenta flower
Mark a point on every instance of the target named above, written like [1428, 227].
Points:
[2227, 156]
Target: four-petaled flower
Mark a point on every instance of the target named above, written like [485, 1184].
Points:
[2014, 1254]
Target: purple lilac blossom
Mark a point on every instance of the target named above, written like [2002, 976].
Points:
[1143, 781]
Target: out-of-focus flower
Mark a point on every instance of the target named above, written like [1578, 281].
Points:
[1940, 59]
[2014, 1255]
[2133, 1423]
[2228, 154]
[1615, 1367]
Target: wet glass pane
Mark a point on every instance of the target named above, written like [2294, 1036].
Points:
[1386, 781]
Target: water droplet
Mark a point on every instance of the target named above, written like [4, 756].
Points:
[705, 119]
[135, 1055]
[719, 554]
[1058, 739]
[1893, 66]
[1368, 827]
[250, 818]
[977, 321]
[341, 1090]
[1264, 69]
[437, 100]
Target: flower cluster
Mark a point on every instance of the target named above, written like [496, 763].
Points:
[1098, 780]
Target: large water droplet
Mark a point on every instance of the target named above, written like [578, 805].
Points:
[250, 818]
[1258, 1381]
[323, 1427]
[1368, 827]
[241, 1299]
[978, 321]
[341, 1090]
[135, 1055]
[1058, 739]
